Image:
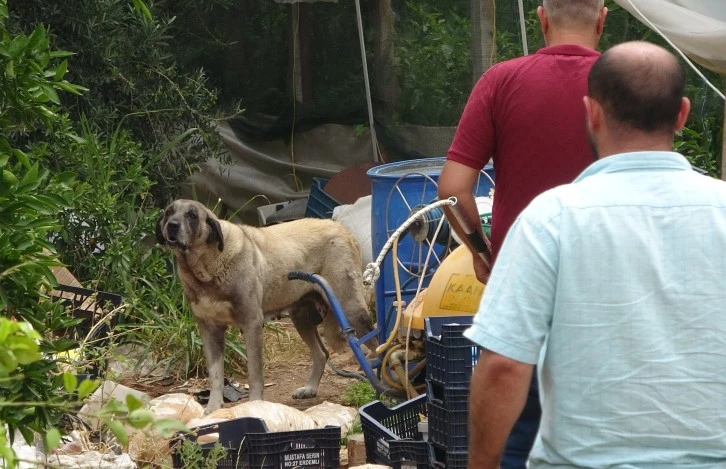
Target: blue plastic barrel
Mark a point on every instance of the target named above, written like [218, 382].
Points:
[396, 189]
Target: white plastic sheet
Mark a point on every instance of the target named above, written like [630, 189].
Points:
[697, 27]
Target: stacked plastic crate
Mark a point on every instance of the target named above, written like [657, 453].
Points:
[450, 359]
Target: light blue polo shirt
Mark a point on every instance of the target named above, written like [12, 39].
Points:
[615, 285]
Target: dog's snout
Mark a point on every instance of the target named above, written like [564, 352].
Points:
[172, 229]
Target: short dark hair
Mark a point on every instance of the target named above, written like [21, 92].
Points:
[642, 94]
[573, 13]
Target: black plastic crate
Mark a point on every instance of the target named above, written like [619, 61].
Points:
[448, 417]
[320, 203]
[250, 445]
[93, 308]
[405, 454]
[450, 357]
[382, 425]
[442, 458]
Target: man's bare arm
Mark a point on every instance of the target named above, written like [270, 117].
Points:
[458, 180]
[499, 387]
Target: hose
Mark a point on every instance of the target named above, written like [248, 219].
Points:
[346, 374]
[399, 308]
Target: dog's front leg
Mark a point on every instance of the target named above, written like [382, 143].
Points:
[255, 374]
[213, 342]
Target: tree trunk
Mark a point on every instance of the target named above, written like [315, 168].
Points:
[483, 46]
[384, 64]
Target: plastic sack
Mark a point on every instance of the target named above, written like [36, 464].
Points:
[356, 218]
[329, 413]
[278, 417]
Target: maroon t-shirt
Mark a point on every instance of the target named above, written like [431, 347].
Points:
[527, 115]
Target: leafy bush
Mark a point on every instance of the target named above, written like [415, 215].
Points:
[139, 132]
[125, 58]
[30, 199]
[432, 46]
[358, 394]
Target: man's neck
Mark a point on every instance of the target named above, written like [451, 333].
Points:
[634, 146]
[571, 38]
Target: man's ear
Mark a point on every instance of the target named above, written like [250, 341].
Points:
[544, 21]
[683, 113]
[601, 20]
[215, 233]
[594, 113]
[160, 234]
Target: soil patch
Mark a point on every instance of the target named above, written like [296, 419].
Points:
[287, 367]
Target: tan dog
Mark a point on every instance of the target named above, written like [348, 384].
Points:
[236, 275]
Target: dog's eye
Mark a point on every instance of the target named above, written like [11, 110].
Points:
[192, 215]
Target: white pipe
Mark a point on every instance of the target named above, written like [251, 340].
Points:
[374, 140]
[523, 25]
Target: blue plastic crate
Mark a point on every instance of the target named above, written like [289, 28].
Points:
[250, 446]
[443, 458]
[448, 417]
[381, 425]
[450, 357]
[320, 204]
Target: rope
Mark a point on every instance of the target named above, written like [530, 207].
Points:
[373, 270]
[374, 140]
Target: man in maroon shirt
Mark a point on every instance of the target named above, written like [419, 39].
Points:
[527, 115]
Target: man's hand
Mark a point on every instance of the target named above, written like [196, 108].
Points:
[481, 269]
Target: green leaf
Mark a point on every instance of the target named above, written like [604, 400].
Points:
[75, 89]
[70, 382]
[10, 69]
[167, 427]
[52, 439]
[140, 418]
[50, 93]
[22, 157]
[141, 7]
[61, 70]
[60, 53]
[27, 433]
[36, 38]
[133, 403]
[9, 178]
[86, 388]
[119, 431]
[65, 178]
[4, 158]
[175, 141]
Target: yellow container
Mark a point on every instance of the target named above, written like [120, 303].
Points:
[453, 291]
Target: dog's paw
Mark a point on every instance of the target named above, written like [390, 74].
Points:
[304, 392]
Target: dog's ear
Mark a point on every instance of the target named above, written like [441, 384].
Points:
[159, 234]
[215, 233]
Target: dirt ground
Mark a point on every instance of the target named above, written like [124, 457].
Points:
[287, 367]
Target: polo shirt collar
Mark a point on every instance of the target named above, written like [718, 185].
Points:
[569, 49]
[640, 160]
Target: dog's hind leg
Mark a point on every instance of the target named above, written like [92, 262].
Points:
[213, 342]
[305, 316]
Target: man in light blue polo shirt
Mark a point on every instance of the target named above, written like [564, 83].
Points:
[615, 286]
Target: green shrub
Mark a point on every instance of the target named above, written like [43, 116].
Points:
[30, 199]
[124, 57]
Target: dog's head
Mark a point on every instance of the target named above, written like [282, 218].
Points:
[187, 224]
